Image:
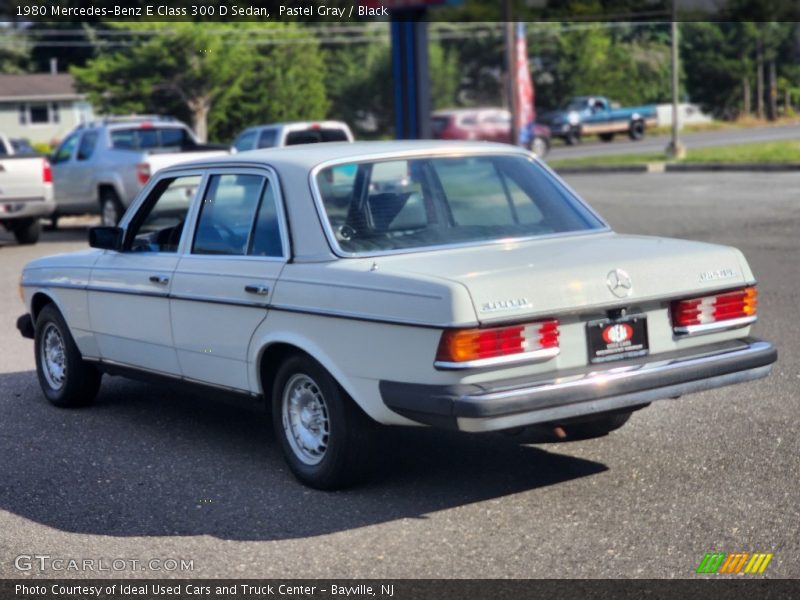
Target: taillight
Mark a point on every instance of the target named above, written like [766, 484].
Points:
[462, 348]
[720, 311]
[143, 172]
[47, 172]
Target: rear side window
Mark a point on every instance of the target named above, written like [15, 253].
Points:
[152, 138]
[86, 147]
[226, 214]
[21, 147]
[268, 138]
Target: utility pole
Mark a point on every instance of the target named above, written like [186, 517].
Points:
[675, 149]
[511, 69]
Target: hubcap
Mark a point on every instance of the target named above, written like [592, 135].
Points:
[305, 419]
[109, 213]
[54, 357]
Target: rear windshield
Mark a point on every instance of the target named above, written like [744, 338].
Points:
[312, 136]
[433, 201]
[152, 138]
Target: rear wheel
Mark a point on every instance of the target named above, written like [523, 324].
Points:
[66, 379]
[636, 131]
[539, 147]
[325, 438]
[26, 231]
[111, 209]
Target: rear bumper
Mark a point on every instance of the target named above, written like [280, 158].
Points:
[25, 326]
[25, 208]
[581, 392]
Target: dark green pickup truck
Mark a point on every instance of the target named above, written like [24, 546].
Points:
[595, 115]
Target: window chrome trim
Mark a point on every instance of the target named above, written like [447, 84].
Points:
[445, 152]
[540, 355]
[715, 327]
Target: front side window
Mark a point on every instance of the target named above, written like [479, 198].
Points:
[65, 150]
[158, 225]
[226, 214]
[245, 141]
[435, 201]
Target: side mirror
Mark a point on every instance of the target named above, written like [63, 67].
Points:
[106, 238]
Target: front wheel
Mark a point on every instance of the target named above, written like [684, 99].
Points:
[27, 231]
[111, 209]
[325, 438]
[65, 378]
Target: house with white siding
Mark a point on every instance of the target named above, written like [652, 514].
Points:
[42, 107]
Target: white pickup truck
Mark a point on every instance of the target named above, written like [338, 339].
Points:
[26, 189]
[101, 166]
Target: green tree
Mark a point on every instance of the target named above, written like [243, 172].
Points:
[219, 78]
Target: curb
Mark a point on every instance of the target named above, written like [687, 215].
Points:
[660, 167]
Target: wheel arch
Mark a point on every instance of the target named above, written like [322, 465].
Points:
[270, 352]
[39, 300]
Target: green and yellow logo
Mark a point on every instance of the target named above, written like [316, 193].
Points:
[738, 562]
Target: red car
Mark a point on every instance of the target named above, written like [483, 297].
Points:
[486, 124]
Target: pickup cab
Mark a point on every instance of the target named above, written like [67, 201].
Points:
[26, 189]
[596, 115]
[101, 166]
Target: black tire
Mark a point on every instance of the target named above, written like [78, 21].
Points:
[111, 209]
[343, 451]
[78, 382]
[606, 137]
[597, 427]
[26, 231]
[636, 130]
[573, 136]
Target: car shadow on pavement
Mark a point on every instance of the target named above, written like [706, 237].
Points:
[147, 460]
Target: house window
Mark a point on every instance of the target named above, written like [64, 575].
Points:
[40, 113]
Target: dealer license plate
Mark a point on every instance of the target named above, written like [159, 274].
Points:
[617, 339]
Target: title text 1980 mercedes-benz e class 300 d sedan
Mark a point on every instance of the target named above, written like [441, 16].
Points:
[456, 285]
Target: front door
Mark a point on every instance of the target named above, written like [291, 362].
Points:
[129, 290]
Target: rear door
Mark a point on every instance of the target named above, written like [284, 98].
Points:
[224, 281]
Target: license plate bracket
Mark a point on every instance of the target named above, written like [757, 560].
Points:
[617, 339]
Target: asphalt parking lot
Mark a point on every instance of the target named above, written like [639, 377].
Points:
[148, 473]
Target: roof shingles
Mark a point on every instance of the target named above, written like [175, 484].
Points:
[34, 86]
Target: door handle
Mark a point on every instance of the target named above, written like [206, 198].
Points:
[160, 279]
[261, 290]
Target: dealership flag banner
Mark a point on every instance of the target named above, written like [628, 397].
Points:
[525, 110]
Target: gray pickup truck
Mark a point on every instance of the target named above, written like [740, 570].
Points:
[101, 166]
[26, 189]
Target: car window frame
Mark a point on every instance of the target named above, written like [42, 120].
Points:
[333, 244]
[185, 247]
[85, 135]
[142, 202]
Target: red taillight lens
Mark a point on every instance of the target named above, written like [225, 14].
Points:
[47, 172]
[712, 309]
[143, 172]
[467, 345]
